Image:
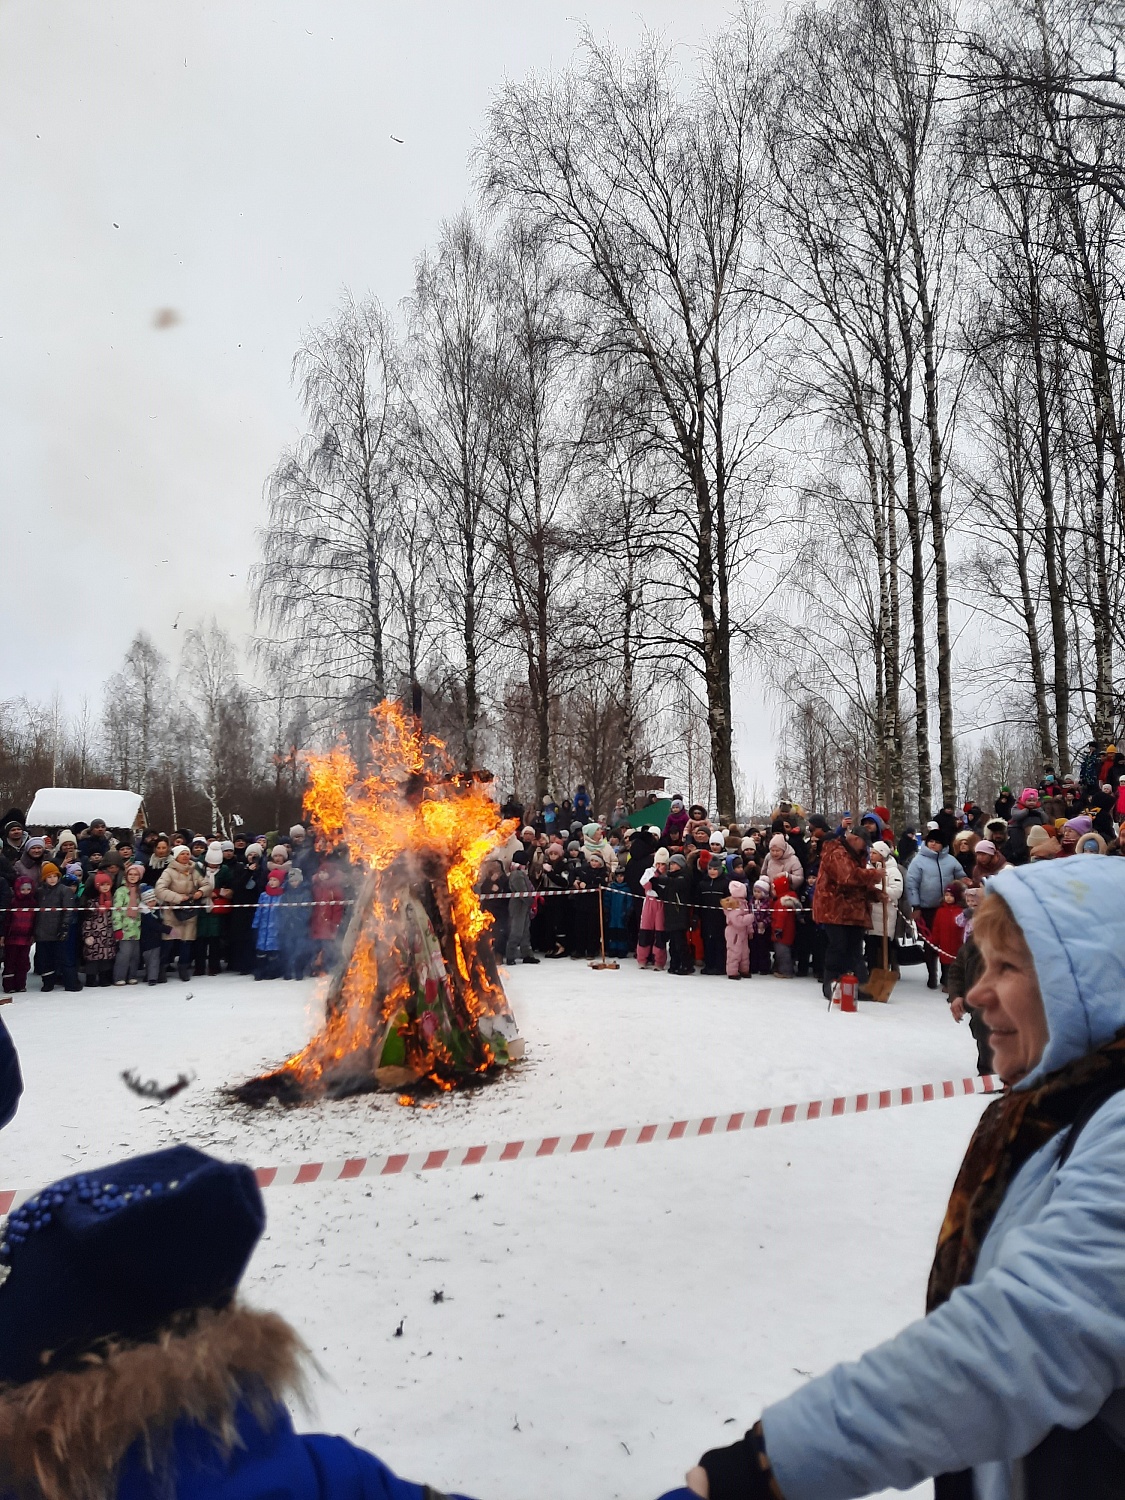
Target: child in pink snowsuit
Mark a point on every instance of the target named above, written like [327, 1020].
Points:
[652, 942]
[740, 919]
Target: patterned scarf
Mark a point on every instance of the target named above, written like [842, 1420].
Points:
[1011, 1130]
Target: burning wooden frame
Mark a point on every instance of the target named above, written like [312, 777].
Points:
[416, 999]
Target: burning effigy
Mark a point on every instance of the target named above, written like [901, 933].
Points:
[416, 999]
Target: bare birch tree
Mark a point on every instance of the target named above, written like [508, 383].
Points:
[321, 587]
[452, 434]
[653, 192]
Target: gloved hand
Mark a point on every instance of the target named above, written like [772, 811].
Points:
[742, 1471]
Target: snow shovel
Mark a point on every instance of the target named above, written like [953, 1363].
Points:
[882, 981]
[603, 963]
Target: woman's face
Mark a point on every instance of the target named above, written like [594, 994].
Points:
[1011, 1006]
[161, 849]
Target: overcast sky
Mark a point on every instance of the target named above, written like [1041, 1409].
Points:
[233, 162]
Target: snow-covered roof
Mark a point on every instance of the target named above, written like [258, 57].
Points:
[60, 806]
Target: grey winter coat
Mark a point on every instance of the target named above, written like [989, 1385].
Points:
[929, 874]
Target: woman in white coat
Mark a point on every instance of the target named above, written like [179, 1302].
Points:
[884, 910]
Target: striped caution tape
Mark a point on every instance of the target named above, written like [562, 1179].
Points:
[395, 1164]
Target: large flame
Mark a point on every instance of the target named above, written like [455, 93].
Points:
[418, 996]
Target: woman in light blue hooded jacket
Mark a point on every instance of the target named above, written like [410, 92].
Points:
[1013, 1385]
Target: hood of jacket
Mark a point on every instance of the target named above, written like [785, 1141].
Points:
[64, 1436]
[1072, 913]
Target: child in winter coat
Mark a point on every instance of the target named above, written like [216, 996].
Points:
[675, 823]
[170, 1384]
[783, 928]
[19, 934]
[52, 930]
[739, 922]
[266, 937]
[492, 888]
[99, 950]
[293, 926]
[761, 932]
[618, 903]
[127, 926]
[211, 926]
[151, 936]
[519, 911]
[652, 941]
[964, 972]
[73, 880]
[324, 924]
[711, 886]
[674, 890]
[781, 860]
[947, 931]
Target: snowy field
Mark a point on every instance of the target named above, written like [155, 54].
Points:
[603, 1319]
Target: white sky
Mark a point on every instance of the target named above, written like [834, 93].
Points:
[231, 160]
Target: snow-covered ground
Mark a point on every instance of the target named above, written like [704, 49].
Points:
[604, 1318]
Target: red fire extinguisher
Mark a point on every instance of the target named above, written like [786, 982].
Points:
[844, 992]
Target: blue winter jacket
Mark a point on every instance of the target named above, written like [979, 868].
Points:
[928, 874]
[273, 1463]
[1037, 1340]
[267, 924]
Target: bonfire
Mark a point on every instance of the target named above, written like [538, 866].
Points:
[416, 1000]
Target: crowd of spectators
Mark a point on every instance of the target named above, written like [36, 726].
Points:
[82, 907]
[794, 894]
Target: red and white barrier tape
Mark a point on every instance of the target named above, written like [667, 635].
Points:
[394, 1164]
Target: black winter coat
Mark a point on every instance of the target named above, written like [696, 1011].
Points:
[674, 890]
[641, 850]
[57, 903]
[708, 893]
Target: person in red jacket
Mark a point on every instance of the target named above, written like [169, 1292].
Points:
[783, 927]
[19, 934]
[327, 916]
[947, 931]
[845, 883]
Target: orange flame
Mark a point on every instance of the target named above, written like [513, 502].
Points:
[413, 825]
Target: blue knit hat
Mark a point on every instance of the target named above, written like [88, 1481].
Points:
[116, 1252]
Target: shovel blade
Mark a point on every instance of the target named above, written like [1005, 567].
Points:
[880, 984]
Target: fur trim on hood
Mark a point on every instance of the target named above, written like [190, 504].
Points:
[63, 1437]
